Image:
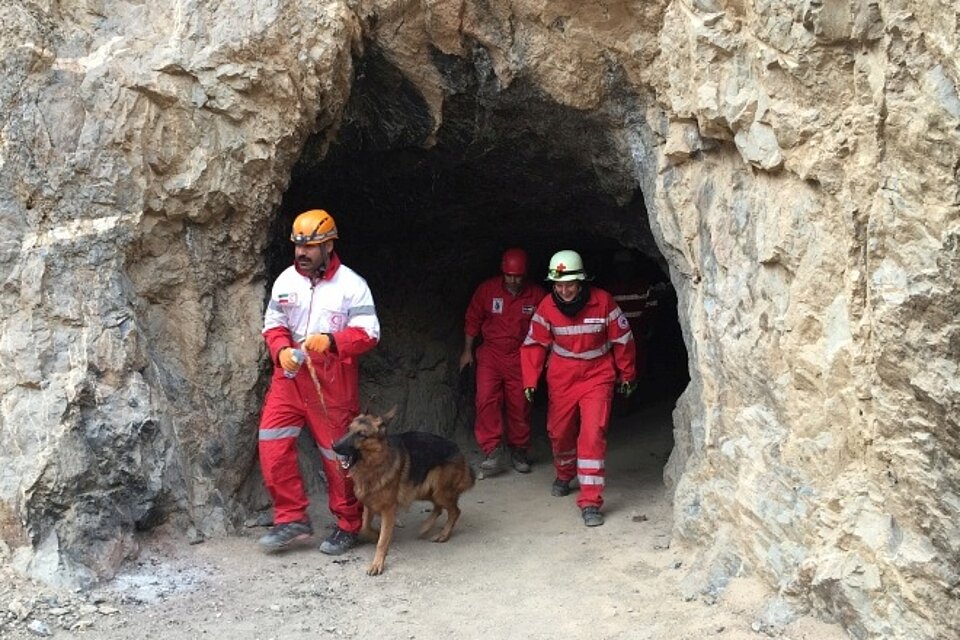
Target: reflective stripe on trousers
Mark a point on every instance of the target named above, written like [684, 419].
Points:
[577, 422]
[278, 447]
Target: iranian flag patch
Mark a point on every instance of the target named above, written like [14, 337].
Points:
[287, 298]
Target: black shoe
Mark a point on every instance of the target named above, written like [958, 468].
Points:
[519, 460]
[592, 516]
[560, 488]
[338, 542]
[284, 534]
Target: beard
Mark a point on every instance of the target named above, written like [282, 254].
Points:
[313, 266]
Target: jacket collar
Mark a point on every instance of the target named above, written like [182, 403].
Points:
[575, 306]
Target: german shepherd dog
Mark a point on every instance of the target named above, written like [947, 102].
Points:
[391, 471]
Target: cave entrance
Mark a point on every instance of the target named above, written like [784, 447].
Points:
[425, 222]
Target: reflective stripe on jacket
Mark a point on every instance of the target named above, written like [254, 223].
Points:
[589, 336]
[340, 303]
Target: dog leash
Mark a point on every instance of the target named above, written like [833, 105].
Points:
[316, 382]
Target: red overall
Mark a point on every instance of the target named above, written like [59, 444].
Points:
[639, 304]
[588, 353]
[502, 319]
[339, 303]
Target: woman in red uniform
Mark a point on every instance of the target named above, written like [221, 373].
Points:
[591, 350]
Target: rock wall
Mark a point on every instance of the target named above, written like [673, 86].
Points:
[799, 162]
[144, 150]
[817, 222]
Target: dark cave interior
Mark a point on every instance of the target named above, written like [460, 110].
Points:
[424, 222]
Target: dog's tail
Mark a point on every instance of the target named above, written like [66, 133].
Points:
[468, 476]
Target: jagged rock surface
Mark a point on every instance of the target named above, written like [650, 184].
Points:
[798, 162]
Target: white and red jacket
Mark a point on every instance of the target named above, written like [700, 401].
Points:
[339, 303]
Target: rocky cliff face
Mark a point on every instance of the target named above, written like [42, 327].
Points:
[798, 165]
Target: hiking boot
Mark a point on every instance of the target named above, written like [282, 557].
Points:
[592, 516]
[519, 460]
[338, 542]
[282, 535]
[560, 488]
[491, 464]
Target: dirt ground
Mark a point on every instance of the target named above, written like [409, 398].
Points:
[520, 565]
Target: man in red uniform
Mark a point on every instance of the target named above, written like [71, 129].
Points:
[499, 312]
[320, 307]
[637, 299]
[591, 350]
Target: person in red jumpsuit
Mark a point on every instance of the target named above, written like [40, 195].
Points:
[637, 298]
[499, 313]
[591, 351]
[321, 308]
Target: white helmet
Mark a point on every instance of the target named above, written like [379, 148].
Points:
[566, 265]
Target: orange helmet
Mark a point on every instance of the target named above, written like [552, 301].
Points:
[514, 262]
[315, 226]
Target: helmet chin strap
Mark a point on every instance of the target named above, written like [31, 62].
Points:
[326, 251]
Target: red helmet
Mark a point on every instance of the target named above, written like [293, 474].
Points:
[514, 262]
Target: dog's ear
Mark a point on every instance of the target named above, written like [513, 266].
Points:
[390, 415]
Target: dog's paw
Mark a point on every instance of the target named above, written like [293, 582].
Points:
[440, 537]
[376, 568]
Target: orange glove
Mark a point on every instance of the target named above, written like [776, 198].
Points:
[317, 342]
[288, 359]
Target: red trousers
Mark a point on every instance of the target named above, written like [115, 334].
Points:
[289, 405]
[498, 387]
[578, 414]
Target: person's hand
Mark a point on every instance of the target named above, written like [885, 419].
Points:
[287, 360]
[528, 393]
[317, 342]
[626, 388]
[466, 359]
